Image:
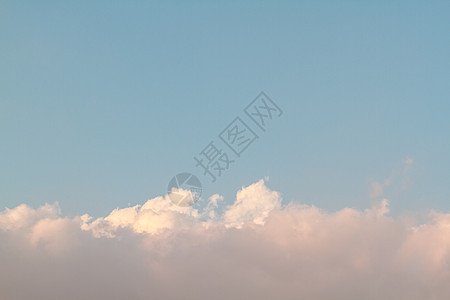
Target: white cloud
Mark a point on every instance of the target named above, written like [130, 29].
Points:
[23, 215]
[256, 249]
[155, 216]
[253, 204]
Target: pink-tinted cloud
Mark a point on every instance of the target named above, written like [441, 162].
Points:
[255, 249]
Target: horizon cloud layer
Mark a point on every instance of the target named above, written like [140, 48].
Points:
[255, 249]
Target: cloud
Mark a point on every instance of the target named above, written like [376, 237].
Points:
[397, 178]
[254, 249]
[408, 161]
[253, 204]
[155, 216]
[377, 189]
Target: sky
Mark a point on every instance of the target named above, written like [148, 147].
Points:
[102, 103]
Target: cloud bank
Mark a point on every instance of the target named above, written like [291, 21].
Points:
[253, 249]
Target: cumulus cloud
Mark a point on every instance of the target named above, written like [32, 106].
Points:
[254, 249]
[253, 204]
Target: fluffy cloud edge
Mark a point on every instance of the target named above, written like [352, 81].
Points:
[276, 251]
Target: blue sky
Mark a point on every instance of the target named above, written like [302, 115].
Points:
[102, 103]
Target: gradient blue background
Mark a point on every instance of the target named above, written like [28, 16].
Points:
[102, 103]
